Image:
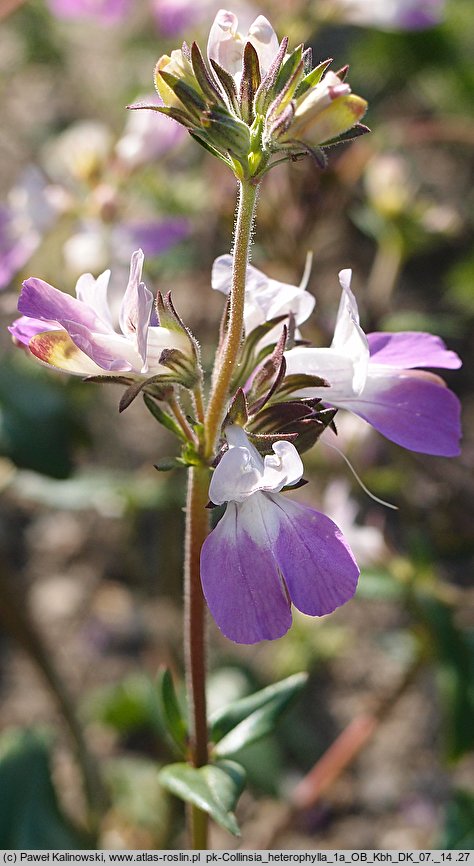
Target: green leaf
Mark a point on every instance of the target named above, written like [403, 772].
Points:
[458, 831]
[171, 710]
[250, 718]
[166, 464]
[30, 816]
[214, 789]
[163, 417]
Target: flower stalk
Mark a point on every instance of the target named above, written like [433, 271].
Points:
[197, 527]
[197, 522]
[217, 406]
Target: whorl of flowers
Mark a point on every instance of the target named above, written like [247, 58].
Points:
[252, 98]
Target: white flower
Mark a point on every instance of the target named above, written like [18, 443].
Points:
[265, 298]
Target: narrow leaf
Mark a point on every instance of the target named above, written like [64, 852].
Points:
[280, 694]
[171, 710]
[163, 417]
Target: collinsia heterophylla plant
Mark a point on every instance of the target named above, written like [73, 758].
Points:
[252, 103]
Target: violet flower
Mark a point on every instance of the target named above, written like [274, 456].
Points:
[376, 377]
[268, 551]
[77, 335]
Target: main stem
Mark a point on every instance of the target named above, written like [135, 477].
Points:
[197, 522]
[197, 527]
[217, 406]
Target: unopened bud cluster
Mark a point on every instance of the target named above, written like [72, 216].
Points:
[253, 99]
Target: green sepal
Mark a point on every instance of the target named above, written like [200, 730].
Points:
[214, 789]
[190, 98]
[247, 360]
[202, 139]
[171, 712]
[226, 131]
[183, 369]
[296, 382]
[113, 380]
[285, 95]
[163, 417]
[269, 376]
[250, 82]
[288, 68]
[203, 78]
[167, 315]
[238, 410]
[313, 78]
[266, 92]
[246, 720]
[355, 132]
[170, 111]
[228, 84]
[159, 386]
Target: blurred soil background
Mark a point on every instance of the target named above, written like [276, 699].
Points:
[90, 578]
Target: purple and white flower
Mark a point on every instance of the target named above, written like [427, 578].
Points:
[265, 298]
[77, 335]
[376, 376]
[268, 551]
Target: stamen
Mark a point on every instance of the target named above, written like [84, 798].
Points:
[358, 478]
[307, 271]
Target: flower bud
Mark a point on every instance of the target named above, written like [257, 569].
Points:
[323, 112]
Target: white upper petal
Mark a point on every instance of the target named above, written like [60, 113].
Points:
[334, 366]
[349, 338]
[159, 338]
[265, 41]
[243, 472]
[265, 298]
[94, 293]
[136, 307]
[226, 45]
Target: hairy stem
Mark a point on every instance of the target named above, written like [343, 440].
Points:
[197, 527]
[181, 419]
[197, 522]
[217, 406]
